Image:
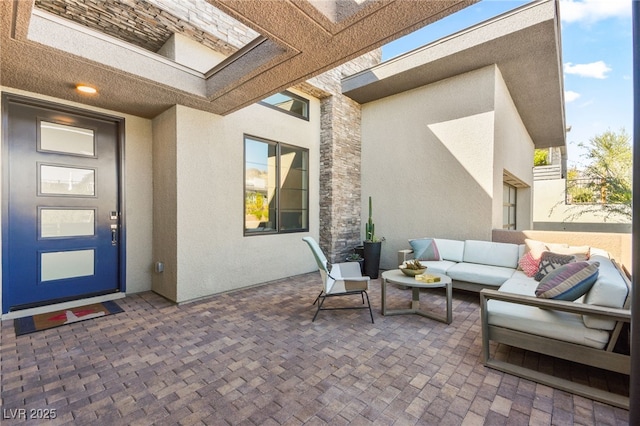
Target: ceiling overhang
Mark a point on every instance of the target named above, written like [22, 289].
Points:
[45, 53]
[524, 44]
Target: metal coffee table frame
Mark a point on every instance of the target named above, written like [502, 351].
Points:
[395, 276]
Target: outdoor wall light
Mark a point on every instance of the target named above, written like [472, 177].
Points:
[86, 89]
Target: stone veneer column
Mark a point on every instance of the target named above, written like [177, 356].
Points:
[340, 159]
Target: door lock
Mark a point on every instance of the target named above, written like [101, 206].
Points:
[114, 235]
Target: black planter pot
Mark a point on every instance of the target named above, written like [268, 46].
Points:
[372, 258]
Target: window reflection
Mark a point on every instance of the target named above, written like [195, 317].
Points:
[60, 180]
[66, 139]
[290, 103]
[56, 223]
[276, 187]
[66, 264]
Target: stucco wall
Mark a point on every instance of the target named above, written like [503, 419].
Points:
[427, 161]
[165, 226]
[514, 153]
[139, 202]
[138, 192]
[212, 255]
[617, 244]
[551, 212]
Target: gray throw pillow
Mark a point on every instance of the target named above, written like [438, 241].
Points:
[550, 261]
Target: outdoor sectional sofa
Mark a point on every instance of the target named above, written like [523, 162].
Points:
[585, 330]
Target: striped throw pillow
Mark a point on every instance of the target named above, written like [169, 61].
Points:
[568, 282]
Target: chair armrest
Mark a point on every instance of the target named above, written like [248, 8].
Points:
[360, 278]
[404, 255]
[557, 305]
[346, 269]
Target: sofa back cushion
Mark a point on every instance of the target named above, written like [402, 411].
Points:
[452, 250]
[609, 290]
[490, 253]
[581, 253]
[535, 247]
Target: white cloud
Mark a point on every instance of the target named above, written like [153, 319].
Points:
[590, 11]
[570, 96]
[594, 70]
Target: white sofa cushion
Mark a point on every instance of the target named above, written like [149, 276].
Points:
[580, 252]
[480, 274]
[609, 290]
[594, 251]
[438, 266]
[520, 275]
[450, 249]
[491, 253]
[541, 322]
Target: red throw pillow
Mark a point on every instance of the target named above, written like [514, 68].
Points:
[529, 264]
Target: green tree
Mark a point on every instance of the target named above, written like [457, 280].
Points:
[541, 157]
[609, 173]
[577, 193]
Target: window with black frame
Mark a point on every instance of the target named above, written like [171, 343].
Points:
[276, 189]
[289, 103]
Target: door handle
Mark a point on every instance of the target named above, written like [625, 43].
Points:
[114, 235]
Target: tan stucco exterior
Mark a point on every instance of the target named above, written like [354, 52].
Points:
[433, 159]
[199, 235]
[165, 219]
[291, 42]
[184, 200]
[432, 155]
[513, 153]
[525, 45]
[617, 244]
[551, 211]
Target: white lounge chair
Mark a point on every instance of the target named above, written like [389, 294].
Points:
[340, 279]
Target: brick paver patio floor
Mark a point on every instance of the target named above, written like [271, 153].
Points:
[254, 357]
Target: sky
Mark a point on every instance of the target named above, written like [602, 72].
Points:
[596, 55]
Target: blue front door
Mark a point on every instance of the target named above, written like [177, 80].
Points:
[62, 221]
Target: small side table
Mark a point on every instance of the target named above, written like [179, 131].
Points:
[395, 276]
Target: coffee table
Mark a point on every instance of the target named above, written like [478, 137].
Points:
[395, 276]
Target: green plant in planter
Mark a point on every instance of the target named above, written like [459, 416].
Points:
[354, 257]
[370, 227]
[372, 247]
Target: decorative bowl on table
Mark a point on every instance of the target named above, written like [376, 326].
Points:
[411, 268]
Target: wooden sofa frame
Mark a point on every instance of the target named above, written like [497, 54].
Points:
[600, 358]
